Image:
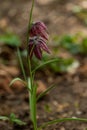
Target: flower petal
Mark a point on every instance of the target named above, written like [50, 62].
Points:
[42, 25]
[44, 47]
[38, 52]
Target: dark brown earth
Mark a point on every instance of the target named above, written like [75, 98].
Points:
[69, 97]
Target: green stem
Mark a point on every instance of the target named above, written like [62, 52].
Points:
[28, 58]
[34, 107]
[21, 64]
[32, 94]
[32, 103]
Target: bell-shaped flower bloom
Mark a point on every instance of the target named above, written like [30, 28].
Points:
[36, 46]
[39, 29]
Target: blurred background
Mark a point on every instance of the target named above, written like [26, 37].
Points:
[67, 25]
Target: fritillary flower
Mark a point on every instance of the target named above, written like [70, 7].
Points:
[39, 29]
[36, 45]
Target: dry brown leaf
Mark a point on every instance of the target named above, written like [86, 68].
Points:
[7, 73]
[83, 69]
[13, 71]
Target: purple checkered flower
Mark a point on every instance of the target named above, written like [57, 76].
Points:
[36, 45]
[39, 29]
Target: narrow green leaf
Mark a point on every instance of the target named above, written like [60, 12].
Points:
[19, 122]
[14, 119]
[45, 92]
[62, 120]
[4, 118]
[17, 79]
[45, 63]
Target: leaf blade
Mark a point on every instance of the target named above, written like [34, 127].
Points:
[45, 63]
[46, 91]
[4, 118]
[62, 120]
[17, 79]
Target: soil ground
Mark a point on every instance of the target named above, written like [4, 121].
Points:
[69, 97]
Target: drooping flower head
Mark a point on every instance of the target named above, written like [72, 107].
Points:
[38, 38]
[39, 29]
[36, 45]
